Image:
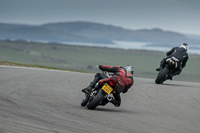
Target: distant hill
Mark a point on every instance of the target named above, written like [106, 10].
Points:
[88, 32]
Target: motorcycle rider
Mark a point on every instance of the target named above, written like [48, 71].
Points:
[181, 54]
[123, 77]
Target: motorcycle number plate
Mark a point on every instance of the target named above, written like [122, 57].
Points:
[107, 88]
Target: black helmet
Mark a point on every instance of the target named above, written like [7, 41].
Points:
[185, 46]
[130, 69]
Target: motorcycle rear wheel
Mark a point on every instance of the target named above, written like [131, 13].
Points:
[97, 100]
[162, 76]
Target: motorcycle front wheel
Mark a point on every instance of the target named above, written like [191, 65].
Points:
[84, 101]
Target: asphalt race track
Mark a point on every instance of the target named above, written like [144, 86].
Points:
[48, 101]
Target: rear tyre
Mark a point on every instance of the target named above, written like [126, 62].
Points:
[97, 100]
[162, 76]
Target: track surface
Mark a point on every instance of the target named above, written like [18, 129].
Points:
[48, 101]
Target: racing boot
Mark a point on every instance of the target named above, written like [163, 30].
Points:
[87, 90]
[158, 69]
[113, 101]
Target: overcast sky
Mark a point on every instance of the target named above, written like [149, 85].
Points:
[182, 16]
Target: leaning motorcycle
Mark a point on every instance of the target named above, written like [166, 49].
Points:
[170, 65]
[98, 95]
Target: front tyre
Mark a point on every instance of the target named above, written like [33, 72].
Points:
[162, 76]
[97, 100]
[84, 101]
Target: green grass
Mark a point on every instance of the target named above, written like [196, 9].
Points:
[8, 63]
[81, 58]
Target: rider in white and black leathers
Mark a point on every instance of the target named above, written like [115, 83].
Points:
[181, 54]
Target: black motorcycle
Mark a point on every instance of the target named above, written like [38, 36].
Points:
[170, 65]
[100, 95]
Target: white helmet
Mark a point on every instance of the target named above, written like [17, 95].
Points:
[185, 46]
[130, 69]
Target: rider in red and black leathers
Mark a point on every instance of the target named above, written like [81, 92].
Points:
[123, 76]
